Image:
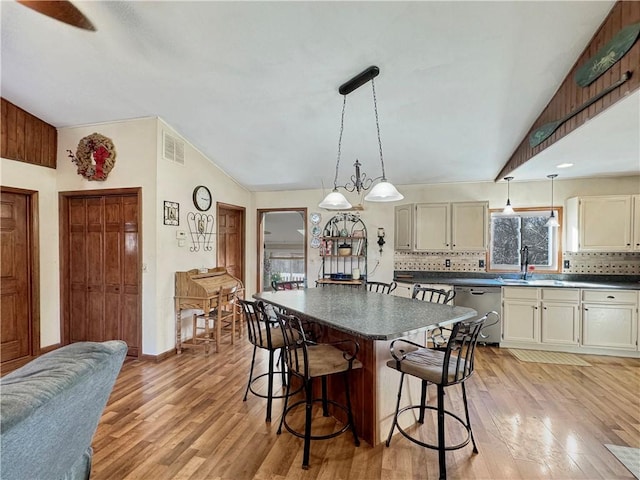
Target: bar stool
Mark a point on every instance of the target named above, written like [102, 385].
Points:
[307, 360]
[444, 368]
[381, 287]
[435, 295]
[264, 333]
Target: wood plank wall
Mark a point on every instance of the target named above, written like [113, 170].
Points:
[571, 96]
[26, 138]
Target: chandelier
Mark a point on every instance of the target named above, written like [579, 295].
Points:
[383, 190]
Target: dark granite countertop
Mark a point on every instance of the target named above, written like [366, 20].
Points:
[473, 279]
[364, 314]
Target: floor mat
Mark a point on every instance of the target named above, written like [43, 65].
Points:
[538, 356]
[628, 456]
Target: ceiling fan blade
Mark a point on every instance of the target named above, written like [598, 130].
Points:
[62, 10]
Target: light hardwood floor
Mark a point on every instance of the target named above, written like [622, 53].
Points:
[184, 418]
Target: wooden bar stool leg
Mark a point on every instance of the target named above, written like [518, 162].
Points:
[307, 426]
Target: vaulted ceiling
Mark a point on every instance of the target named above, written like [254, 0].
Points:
[254, 85]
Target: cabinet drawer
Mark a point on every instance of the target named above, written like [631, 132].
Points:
[561, 294]
[526, 293]
[610, 296]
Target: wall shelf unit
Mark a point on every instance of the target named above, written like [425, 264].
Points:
[344, 250]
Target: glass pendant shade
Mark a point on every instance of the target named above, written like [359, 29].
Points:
[508, 209]
[553, 221]
[383, 191]
[335, 201]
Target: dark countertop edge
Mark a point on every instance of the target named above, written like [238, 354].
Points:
[630, 282]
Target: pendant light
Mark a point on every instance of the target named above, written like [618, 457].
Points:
[508, 209]
[553, 221]
[335, 200]
[383, 191]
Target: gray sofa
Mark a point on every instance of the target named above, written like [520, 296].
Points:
[50, 409]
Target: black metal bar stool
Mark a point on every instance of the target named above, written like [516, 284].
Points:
[444, 367]
[264, 333]
[307, 360]
[381, 287]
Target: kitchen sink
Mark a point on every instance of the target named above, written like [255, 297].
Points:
[521, 281]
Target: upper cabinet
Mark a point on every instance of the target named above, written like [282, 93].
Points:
[603, 223]
[403, 232]
[442, 226]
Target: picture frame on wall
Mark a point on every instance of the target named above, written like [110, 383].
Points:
[171, 213]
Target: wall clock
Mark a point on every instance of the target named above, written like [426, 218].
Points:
[202, 198]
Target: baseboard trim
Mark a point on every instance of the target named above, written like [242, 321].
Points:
[158, 358]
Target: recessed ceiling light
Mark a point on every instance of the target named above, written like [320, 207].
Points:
[564, 165]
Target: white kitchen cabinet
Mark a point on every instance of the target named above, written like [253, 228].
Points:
[403, 290]
[457, 226]
[469, 221]
[602, 223]
[520, 315]
[636, 222]
[403, 233]
[610, 319]
[560, 316]
[432, 227]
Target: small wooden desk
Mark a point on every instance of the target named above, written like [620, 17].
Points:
[373, 320]
[196, 290]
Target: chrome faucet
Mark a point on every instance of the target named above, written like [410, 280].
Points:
[524, 261]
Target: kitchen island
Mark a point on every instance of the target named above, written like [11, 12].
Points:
[373, 320]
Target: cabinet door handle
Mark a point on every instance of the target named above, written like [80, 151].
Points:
[611, 297]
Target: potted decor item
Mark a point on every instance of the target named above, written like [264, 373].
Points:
[344, 249]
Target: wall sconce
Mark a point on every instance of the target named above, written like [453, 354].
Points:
[381, 238]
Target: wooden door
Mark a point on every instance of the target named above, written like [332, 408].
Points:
[231, 239]
[19, 337]
[102, 251]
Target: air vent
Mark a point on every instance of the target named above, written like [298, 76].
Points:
[173, 149]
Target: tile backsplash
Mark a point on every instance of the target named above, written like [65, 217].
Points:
[437, 261]
[613, 263]
[600, 263]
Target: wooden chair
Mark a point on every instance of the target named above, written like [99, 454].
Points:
[435, 295]
[289, 285]
[445, 367]
[381, 287]
[307, 360]
[207, 327]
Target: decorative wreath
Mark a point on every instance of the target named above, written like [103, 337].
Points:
[95, 157]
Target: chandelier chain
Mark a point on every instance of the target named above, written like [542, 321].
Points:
[375, 108]
[335, 180]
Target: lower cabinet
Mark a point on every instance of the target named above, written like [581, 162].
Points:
[560, 316]
[520, 315]
[610, 319]
[403, 290]
[570, 318]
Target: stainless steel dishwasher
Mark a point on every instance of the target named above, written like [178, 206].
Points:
[483, 300]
